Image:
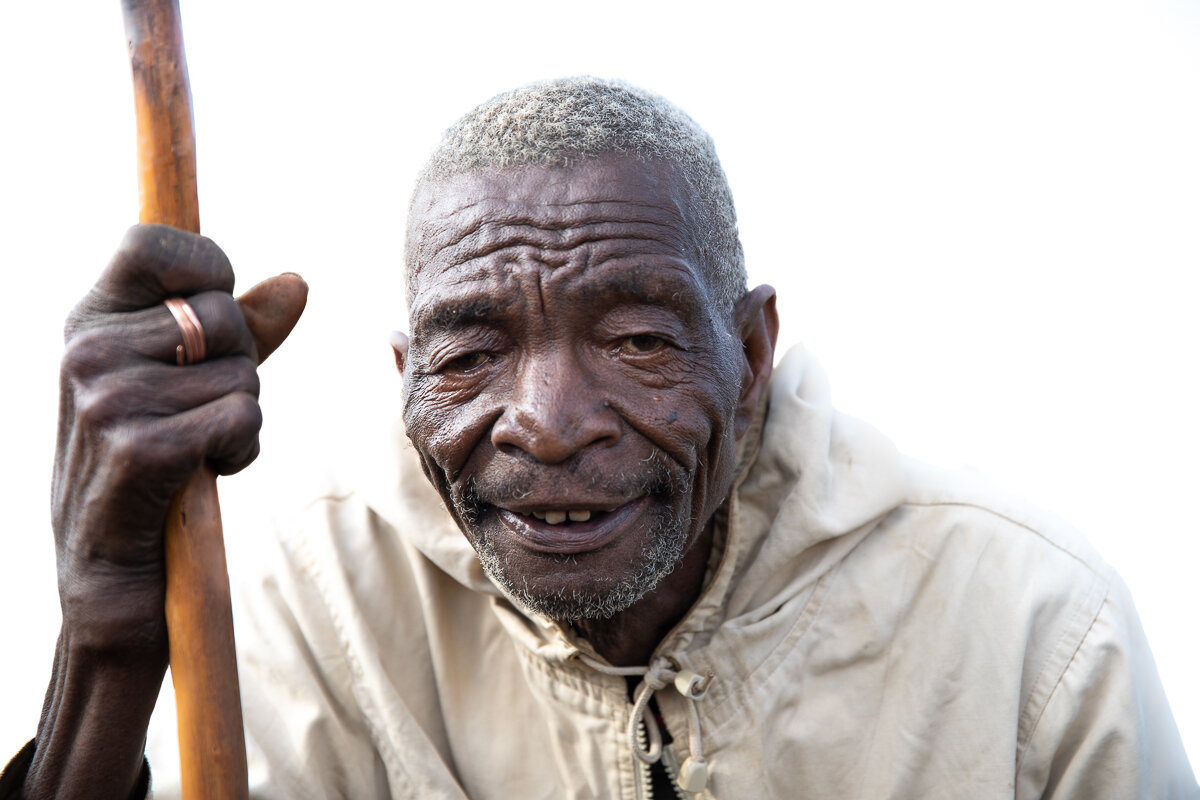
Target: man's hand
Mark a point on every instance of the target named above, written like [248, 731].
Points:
[133, 427]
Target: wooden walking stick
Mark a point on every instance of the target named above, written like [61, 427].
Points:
[199, 618]
[212, 749]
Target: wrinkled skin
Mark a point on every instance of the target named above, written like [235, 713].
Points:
[567, 354]
[133, 426]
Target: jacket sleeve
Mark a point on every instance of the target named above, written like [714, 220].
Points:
[306, 735]
[1106, 730]
[12, 777]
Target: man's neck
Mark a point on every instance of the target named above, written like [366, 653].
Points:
[628, 639]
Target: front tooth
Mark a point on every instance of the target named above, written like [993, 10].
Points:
[579, 516]
[539, 514]
[556, 517]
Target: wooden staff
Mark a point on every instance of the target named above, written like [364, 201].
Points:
[212, 749]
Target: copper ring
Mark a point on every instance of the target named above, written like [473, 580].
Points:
[192, 349]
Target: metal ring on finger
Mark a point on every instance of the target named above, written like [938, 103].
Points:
[193, 348]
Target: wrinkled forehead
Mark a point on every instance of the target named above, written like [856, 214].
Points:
[602, 206]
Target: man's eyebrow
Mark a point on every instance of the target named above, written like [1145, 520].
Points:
[655, 288]
[458, 313]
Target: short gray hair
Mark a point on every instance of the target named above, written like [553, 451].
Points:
[560, 122]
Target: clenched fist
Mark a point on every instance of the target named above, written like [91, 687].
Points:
[134, 425]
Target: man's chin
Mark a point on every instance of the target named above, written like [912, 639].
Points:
[571, 607]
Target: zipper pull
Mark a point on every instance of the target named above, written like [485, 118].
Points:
[693, 775]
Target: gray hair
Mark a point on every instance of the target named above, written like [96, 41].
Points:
[560, 122]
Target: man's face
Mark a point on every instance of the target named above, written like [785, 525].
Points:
[570, 384]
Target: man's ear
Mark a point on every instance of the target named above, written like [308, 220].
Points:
[757, 324]
[399, 342]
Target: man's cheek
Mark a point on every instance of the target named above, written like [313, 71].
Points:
[680, 427]
[443, 429]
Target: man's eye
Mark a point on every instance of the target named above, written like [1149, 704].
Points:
[641, 344]
[467, 362]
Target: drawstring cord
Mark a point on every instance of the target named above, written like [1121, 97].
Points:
[693, 773]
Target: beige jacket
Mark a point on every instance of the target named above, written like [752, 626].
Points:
[873, 628]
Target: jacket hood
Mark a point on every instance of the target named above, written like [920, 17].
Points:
[805, 468]
[822, 478]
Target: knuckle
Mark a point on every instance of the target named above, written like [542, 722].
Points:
[123, 451]
[128, 280]
[217, 263]
[83, 355]
[238, 444]
[245, 414]
[133, 456]
[152, 458]
[139, 245]
[143, 251]
[99, 406]
[246, 378]
[79, 317]
[204, 264]
[156, 261]
[225, 328]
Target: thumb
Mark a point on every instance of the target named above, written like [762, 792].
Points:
[272, 308]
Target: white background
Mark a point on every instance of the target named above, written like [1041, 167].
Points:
[982, 217]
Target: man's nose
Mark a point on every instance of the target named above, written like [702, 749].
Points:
[557, 410]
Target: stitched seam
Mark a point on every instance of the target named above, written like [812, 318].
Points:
[1023, 746]
[1036, 706]
[994, 513]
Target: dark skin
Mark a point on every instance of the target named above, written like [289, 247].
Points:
[563, 329]
[587, 343]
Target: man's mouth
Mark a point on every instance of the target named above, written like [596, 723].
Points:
[571, 530]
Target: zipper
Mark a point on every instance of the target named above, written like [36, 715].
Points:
[645, 779]
[670, 764]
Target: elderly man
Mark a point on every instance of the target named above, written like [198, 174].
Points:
[648, 566]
